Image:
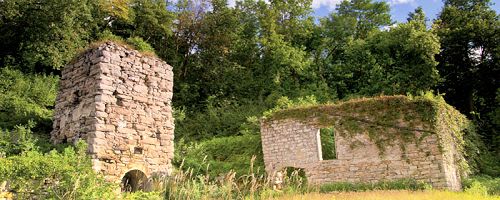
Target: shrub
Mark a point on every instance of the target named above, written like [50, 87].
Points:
[219, 120]
[221, 155]
[54, 175]
[140, 45]
[136, 42]
[16, 141]
[482, 184]
[25, 97]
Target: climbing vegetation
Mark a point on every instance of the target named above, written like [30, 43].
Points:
[391, 120]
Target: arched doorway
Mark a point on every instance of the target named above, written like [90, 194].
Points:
[134, 180]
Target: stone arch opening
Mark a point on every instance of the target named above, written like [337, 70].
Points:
[133, 181]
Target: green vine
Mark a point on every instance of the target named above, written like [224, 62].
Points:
[386, 119]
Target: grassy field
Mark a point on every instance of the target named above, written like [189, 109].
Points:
[393, 195]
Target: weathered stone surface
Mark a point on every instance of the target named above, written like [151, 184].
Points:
[294, 143]
[104, 98]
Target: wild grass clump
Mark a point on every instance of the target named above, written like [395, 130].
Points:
[221, 155]
[401, 184]
[188, 185]
[136, 43]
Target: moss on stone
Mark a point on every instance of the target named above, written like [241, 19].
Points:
[387, 119]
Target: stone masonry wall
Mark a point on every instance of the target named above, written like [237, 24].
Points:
[298, 149]
[290, 143]
[450, 154]
[118, 100]
[422, 163]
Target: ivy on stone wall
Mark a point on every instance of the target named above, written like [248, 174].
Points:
[387, 119]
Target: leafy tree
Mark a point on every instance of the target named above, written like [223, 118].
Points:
[116, 10]
[25, 98]
[153, 22]
[418, 17]
[44, 35]
[469, 60]
[352, 20]
[357, 18]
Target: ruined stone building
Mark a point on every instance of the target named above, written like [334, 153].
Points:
[119, 101]
[375, 139]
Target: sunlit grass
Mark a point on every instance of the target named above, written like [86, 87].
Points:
[393, 195]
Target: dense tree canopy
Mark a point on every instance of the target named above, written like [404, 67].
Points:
[469, 62]
[233, 63]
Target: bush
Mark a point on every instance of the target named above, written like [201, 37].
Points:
[25, 98]
[16, 141]
[221, 155]
[482, 184]
[218, 121]
[55, 175]
[136, 42]
[140, 45]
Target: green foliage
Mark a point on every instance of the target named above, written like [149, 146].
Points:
[487, 163]
[233, 63]
[186, 185]
[220, 155]
[482, 185]
[328, 143]
[285, 103]
[55, 175]
[357, 18]
[116, 9]
[141, 195]
[219, 120]
[357, 58]
[19, 140]
[42, 36]
[384, 113]
[140, 44]
[469, 62]
[136, 43]
[380, 118]
[108, 35]
[385, 63]
[26, 97]
[402, 184]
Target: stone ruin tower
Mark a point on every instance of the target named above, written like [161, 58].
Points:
[119, 101]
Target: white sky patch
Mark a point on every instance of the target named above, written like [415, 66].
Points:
[231, 3]
[330, 4]
[387, 28]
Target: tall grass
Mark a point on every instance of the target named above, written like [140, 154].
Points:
[187, 185]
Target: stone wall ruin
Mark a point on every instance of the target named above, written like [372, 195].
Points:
[368, 148]
[118, 100]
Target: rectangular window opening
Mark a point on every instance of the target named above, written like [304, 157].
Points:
[137, 150]
[327, 137]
